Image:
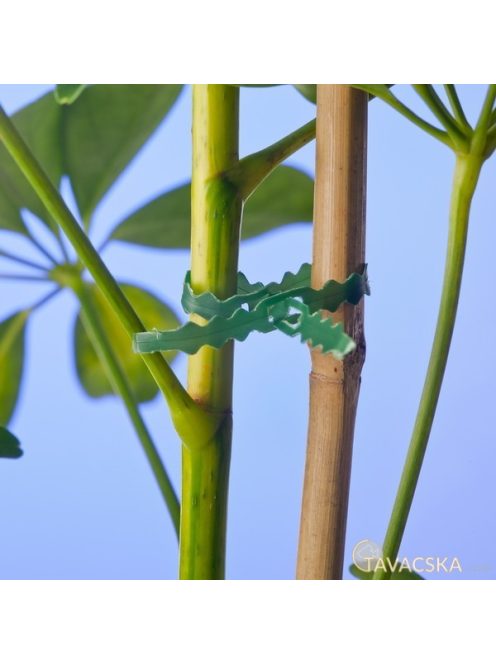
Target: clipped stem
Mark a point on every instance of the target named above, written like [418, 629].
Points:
[122, 388]
[190, 421]
[216, 218]
[250, 171]
[466, 175]
[338, 248]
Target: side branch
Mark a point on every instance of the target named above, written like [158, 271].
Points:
[383, 92]
[121, 386]
[191, 422]
[250, 171]
[429, 96]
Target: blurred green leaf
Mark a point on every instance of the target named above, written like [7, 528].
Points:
[165, 222]
[104, 130]
[374, 90]
[92, 141]
[286, 196]
[309, 91]
[10, 447]
[397, 575]
[12, 337]
[39, 125]
[91, 374]
[68, 93]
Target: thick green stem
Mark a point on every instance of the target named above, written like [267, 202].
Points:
[121, 387]
[216, 217]
[205, 485]
[466, 175]
[190, 421]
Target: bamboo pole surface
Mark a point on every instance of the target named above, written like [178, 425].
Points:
[338, 248]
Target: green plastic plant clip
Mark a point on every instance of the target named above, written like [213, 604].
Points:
[291, 306]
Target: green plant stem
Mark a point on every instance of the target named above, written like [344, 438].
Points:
[250, 171]
[216, 217]
[383, 92]
[466, 175]
[122, 388]
[456, 106]
[433, 102]
[190, 421]
[481, 138]
[491, 141]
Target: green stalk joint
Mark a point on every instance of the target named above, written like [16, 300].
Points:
[66, 275]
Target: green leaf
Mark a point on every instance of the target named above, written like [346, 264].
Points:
[309, 91]
[68, 93]
[104, 130]
[10, 447]
[375, 90]
[165, 222]
[284, 197]
[12, 338]
[397, 575]
[39, 125]
[90, 372]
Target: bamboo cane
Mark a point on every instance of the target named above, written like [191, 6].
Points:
[338, 248]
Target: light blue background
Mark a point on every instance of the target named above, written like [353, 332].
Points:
[82, 503]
